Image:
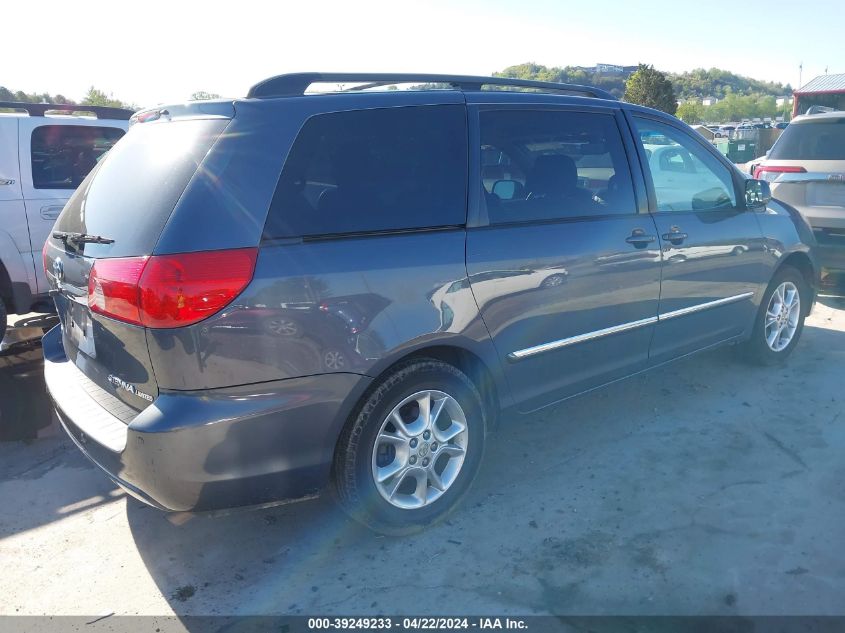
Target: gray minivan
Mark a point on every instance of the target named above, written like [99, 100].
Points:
[264, 298]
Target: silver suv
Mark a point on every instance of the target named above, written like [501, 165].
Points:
[46, 150]
[806, 169]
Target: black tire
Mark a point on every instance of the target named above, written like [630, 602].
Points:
[3, 319]
[756, 350]
[354, 484]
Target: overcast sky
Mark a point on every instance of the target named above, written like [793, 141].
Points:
[153, 52]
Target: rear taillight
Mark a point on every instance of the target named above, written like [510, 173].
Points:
[165, 291]
[771, 172]
[182, 289]
[113, 288]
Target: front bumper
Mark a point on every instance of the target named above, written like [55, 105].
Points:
[211, 449]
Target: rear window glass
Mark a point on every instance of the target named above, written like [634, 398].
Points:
[130, 194]
[373, 170]
[811, 141]
[62, 155]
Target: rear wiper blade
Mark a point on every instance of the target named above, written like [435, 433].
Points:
[81, 238]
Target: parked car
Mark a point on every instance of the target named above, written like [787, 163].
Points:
[781, 125]
[45, 152]
[594, 265]
[806, 169]
[727, 130]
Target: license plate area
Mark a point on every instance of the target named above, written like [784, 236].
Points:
[827, 194]
[79, 327]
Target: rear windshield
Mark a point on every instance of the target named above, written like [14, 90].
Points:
[812, 141]
[129, 195]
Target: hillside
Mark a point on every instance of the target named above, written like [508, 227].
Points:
[698, 83]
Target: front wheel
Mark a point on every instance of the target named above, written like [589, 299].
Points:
[411, 453]
[780, 319]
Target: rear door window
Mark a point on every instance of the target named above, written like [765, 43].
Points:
[811, 141]
[554, 164]
[372, 170]
[62, 155]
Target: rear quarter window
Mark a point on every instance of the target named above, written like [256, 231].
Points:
[63, 155]
[373, 170]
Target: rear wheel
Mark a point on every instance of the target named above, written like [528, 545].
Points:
[411, 453]
[780, 319]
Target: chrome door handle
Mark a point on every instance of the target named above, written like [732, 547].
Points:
[51, 212]
[639, 238]
[675, 235]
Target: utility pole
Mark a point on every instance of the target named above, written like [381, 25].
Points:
[800, 72]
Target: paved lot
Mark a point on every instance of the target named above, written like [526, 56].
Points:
[706, 487]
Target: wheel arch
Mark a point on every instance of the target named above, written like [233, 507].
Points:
[491, 386]
[6, 288]
[800, 261]
[15, 276]
[470, 364]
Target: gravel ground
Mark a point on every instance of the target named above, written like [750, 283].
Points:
[704, 487]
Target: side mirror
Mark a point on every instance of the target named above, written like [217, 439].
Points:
[757, 193]
[507, 189]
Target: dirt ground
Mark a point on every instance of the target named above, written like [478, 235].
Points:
[704, 487]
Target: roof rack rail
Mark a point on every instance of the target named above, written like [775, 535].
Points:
[296, 84]
[41, 109]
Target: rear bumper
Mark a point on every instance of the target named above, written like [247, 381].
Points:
[211, 449]
[832, 257]
[828, 224]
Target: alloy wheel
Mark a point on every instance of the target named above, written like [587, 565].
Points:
[783, 315]
[420, 449]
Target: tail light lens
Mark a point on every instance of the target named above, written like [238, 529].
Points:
[113, 288]
[771, 172]
[165, 291]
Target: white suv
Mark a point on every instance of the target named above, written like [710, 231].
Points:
[46, 150]
[806, 168]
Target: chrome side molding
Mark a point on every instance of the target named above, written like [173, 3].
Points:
[580, 338]
[703, 306]
[624, 327]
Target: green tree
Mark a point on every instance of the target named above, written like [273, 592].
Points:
[202, 95]
[691, 111]
[96, 97]
[650, 87]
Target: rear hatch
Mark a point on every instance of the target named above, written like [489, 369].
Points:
[807, 169]
[115, 217]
